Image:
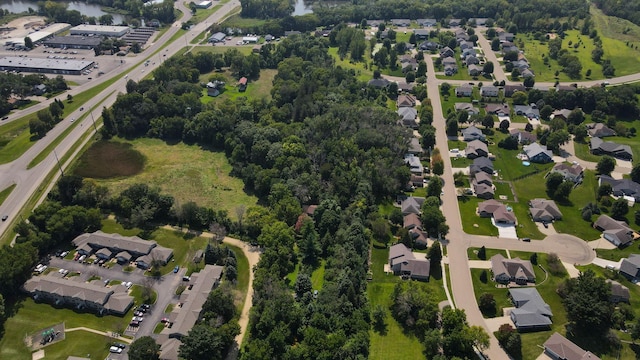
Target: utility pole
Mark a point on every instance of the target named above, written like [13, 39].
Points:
[58, 161]
[94, 121]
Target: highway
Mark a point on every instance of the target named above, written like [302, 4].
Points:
[29, 180]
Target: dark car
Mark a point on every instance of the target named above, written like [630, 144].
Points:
[120, 345]
[145, 306]
[134, 323]
[176, 269]
[5, 217]
[526, 239]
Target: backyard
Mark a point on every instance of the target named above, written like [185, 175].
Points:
[186, 172]
[259, 88]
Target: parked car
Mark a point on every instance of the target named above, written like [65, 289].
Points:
[134, 323]
[164, 320]
[175, 269]
[115, 350]
[76, 257]
[146, 306]
[119, 345]
[526, 239]
[81, 258]
[142, 310]
[5, 217]
[137, 318]
[138, 313]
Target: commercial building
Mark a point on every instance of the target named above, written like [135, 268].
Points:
[204, 4]
[73, 42]
[100, 30]
[50, 66]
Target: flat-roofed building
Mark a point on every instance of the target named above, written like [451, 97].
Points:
[100, 30]
[73, 42]
[49, 66]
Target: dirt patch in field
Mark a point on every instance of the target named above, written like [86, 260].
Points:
[108, 160]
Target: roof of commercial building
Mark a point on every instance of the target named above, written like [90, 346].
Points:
[100, 28]
[57, 64]
[74, 40]
[116, 241]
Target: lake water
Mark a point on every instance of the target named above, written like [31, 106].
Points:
[18, 6]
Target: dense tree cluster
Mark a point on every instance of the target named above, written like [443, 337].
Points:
[586, 299]
[58, 11]
[20, 86]
[629, 10]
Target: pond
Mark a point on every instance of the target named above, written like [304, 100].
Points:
[18, 6]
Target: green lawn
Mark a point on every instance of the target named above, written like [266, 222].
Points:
[137, 293]
[509, 167]
[468, 207]
[236, 21]
[362, 73]
[526, 227]
[617, 254]
[4, 194]
[202, 14]
[583, 152]
[503, 188]
[260, 88]
[317, 276]
[29, 318]
[499, 294]
[394, 344]
[615, 33]
[460, 162]
[187, 173]
[242, 282]
[472, 253]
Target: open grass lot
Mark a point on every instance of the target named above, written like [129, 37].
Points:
[468, 207]
[245, 50]
[534, 50]
[236, 21]
[614, 37]
[525, 227]
[503, 188]
[317, 276]
[472, 253]
[4, 194]
[260, 88]
[184, 245]
[30, 316]
[242, 282]
[394, 343]
[500, 294]
[202, 14]
[583, 152]
[460, 162]
[109, 159]
[362, 74]
[188, 173]
[531, 342]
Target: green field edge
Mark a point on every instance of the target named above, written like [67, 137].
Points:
[4, 194]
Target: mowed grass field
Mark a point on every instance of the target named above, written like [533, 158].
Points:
[260, 88]
[187, 172]
[615, 33]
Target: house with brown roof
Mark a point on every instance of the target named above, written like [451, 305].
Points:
[616, 232]
[512, 270]
[411, 221]
[406, 100]
[403, 262]
[483, 191]
[544, 210]
[510, 89]
[523, 137]
[558, 347]
[600, 130]
[619, 292]
[570, 172]
[497, 210]
[79, 295]
[476, 148]
[242, 84]
[411, 205]
[502, 109]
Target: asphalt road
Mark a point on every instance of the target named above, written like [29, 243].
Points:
[28, 181]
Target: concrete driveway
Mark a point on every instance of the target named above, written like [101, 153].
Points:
[505, 231]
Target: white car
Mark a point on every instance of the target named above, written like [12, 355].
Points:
[73, 119]
[115, 349]
[137, 318]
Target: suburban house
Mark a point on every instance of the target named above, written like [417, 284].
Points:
[466, 45]
[497, 210]
[623, 187]
[527, 73]
[570, 172]
[449, 61]
[379, 83]
[481, 164]
[427, 22]
[472, 133]
[214, 87]
[474, 70]
[523, 137]
[468, 107]
[498, 109]
[482, 178]
[558, 347]
[477, 21]
[123, 247]
[410, 65]
[413, 224]
[39, 89]
[531, 311]
[242, 84]
[482, 190]
[401, 22]
[406, 100]
[512, 270]
[630, 267]
[616, 232]
[530, 111]
[415, 165]
[464, 90]
[374, 22]
[561, 114]
[411, 205]
[599, 130]
[560, 87]
[544, 210]
[455, 22]
[472, 60]
[429, 46]
[505, 36]
[414, 146]
[476, 148]
[538, 153]
[446, 52]
[403, 262]
[619, 292]
[421, 33]
[184, 317]
[510, 89]
[600, 147]
[404, 87]
[411, 221]
[489, 91]
[450, 70]
[79, 294]
[408, 116]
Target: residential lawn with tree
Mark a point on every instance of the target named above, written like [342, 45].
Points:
[362, 73]
[260, 88]
[394, 343]
[583, 152]
[615, 33]
[187, 173]
[473, 253]
[471, 222]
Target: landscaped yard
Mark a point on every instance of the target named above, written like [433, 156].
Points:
[260, 88]
[394, 344]
[472, 253]
[188, 173]
[362, 74]
[29, 318]
[471, 222]
[583, 152]
[615, 33]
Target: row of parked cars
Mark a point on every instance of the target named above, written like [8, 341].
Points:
[117, 348]
[138, 315]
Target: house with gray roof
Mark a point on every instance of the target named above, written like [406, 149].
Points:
[379, 83]
[630, 267]
[446, 52]
[527, 73]
[489, 91]
[531, 312]
[538, 153]
[483, 191]
[401, 22]
[497, 210]
[530, 111]
[483, 164]
[477, 21]
[414, 146]
[403, 262]
[600, 147]
[561, 114]
[427, 22]
[421, 33]
[471, 133]
[464, 90]
[476, 148]
[455, 22]
[474, 70]
[184, 317]
[408, 116]
[79, 295]
[472, 60]
[217, 37]
[510, 89]
[621, 187]
[570, 172]
[544, 210]
[616, 232]
[468, 107]
[429, 46]
[505, 36]
[512, 270]
[523, 137]
[600, 130]
[450, 70]
[619, 292]
[411, 205]
[415, 165]
[557, 347]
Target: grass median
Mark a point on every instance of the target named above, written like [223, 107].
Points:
[4, 194]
